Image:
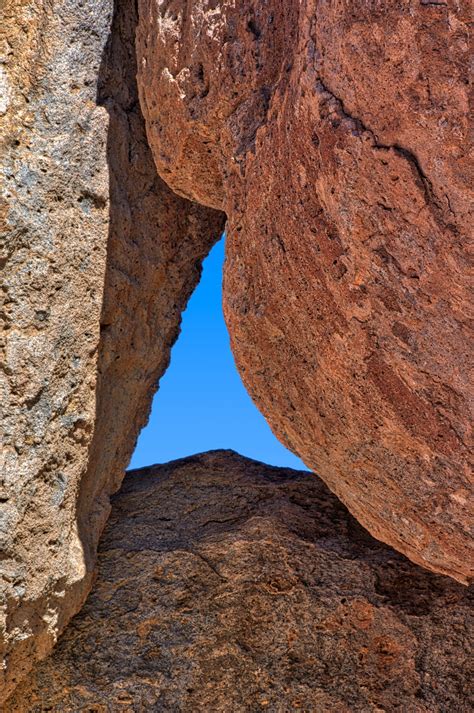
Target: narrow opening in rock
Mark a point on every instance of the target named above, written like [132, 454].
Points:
[201, 403]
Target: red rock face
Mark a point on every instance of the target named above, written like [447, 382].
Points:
[334, 135]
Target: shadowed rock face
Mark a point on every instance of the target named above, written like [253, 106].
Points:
[98, 262]
[227, 585]
[334, 135]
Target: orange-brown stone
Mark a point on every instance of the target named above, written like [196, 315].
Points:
[335, 137]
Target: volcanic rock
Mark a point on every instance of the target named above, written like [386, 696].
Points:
[227, 585]
[99, 260]
[335, 138]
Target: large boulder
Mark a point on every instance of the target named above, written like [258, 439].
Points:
[98, 262]
[227, 585]
[335, 137]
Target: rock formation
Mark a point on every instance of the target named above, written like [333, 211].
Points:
[99, 261]
[227, 585]
[335, 137]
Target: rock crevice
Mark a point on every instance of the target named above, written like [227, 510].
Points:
[346, 284]
[100, 259]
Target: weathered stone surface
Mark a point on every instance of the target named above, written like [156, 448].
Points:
[98, 262]
[335, 137]
[227, 585]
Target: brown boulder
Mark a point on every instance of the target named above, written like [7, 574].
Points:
[99, 260]
[227, 585]
[335, 137]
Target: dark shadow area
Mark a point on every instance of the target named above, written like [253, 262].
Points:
[157, 242]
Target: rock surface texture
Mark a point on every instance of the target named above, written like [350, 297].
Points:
[98, 262]
[227, 585]
[335, 137]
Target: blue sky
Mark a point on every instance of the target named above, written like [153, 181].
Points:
[201, 403]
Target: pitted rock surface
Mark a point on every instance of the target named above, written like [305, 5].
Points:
[227, 585]
[335, 137]
[97, 265]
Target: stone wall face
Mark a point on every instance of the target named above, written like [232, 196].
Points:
[227, 585]
[336, 137]
[99, 258]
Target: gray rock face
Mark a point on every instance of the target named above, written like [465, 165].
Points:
[98, 260]
[227, 585]
[55, 206]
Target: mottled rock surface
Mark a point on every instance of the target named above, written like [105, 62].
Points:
[98, 260]
[227, 585]
[335, 137]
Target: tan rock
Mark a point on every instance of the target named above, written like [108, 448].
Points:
[98, 262]
[227, 585]
[335, 137]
